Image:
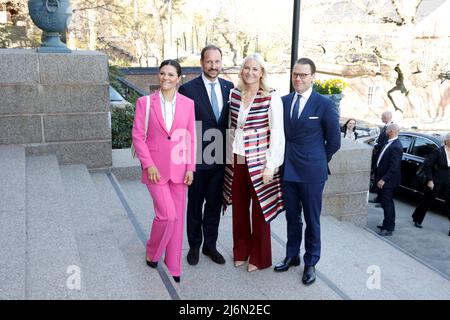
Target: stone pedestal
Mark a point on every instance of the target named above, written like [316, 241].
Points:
[346, 191]
[57, 103]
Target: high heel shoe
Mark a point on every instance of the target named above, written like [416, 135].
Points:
[238, 263]
[176, 278]
[251, 267]
[152, 264]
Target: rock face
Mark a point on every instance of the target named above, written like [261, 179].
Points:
[56, 103]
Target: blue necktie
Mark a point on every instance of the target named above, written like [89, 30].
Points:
[214, 102]
[296, 107]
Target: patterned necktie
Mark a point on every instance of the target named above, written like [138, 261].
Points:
[214, 102]
[294, 115]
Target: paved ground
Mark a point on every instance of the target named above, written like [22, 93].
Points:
[352, 258]
[431, 244]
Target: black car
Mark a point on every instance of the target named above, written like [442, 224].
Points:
[416, 146]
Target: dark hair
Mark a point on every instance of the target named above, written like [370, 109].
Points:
[209, 47]
[307, 61]
[173, 63]
[344, 127]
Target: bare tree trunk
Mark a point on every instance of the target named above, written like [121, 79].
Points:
[92, 19]
[233, 49]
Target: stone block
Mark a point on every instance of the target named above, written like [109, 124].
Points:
[353, 156]
[345, 203]
[124, 166]
[20, 129]
[76, 67]
[76, 127]
[18, 66]
[19, 99]
[95, 154]
[347, 182]
[74, 98]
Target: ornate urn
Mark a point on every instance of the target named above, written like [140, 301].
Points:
[52, 16]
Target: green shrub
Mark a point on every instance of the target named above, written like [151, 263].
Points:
[121, 125]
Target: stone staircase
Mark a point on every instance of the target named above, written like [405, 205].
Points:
[61, 221]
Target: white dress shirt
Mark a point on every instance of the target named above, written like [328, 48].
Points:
[168, 110]
[275, 153]
[217, 89]
[448, 156]
[388, 143]
[350, 135]
[304, 98]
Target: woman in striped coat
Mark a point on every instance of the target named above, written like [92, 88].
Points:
[255, 153]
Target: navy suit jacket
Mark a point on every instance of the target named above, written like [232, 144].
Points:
[389, 168]
[311, 140]
[195, 89]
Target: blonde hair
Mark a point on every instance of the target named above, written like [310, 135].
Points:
[263, 85]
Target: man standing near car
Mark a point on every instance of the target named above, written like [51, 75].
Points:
[386, 118]
[387, 177]
[210, 94]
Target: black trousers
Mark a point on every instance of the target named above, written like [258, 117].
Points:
[429, 195]
[386, 196]
[204, 206]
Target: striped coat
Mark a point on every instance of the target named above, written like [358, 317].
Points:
[256, 144]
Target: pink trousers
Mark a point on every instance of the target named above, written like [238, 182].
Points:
[169, 202]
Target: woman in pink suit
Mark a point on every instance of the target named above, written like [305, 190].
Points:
[167, 157]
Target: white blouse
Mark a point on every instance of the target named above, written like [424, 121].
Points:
[168, 110]
[350, 135]
[275, 153]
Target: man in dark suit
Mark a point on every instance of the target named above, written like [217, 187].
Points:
[387, 177]
[210, 94]
[386, 118]
[311, 125]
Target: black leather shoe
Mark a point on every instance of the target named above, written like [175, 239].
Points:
[152, 264]
[380, 226]
[385, 233]
[192, 256]
[286, 263]
[418, 225]
[214, 255]
[176, 278]
[309, 275]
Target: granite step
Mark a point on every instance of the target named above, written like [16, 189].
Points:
[12, 222]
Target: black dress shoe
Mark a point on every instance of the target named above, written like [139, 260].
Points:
[418, 225]
[286, 263]
[309, 275]
[192, 256]
[380, 226]
[152, 264]
[176, 278]
[385, 233]
[214, 255]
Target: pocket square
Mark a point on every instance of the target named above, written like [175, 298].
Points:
[314, 117]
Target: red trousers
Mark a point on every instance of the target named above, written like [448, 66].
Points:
[250, 239]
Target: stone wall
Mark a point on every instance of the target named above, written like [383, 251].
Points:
[346, 191]
[57, 103]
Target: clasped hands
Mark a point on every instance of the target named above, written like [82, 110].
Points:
[268, 175]
[154, 176]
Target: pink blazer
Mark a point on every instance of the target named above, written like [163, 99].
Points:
[173, 153]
